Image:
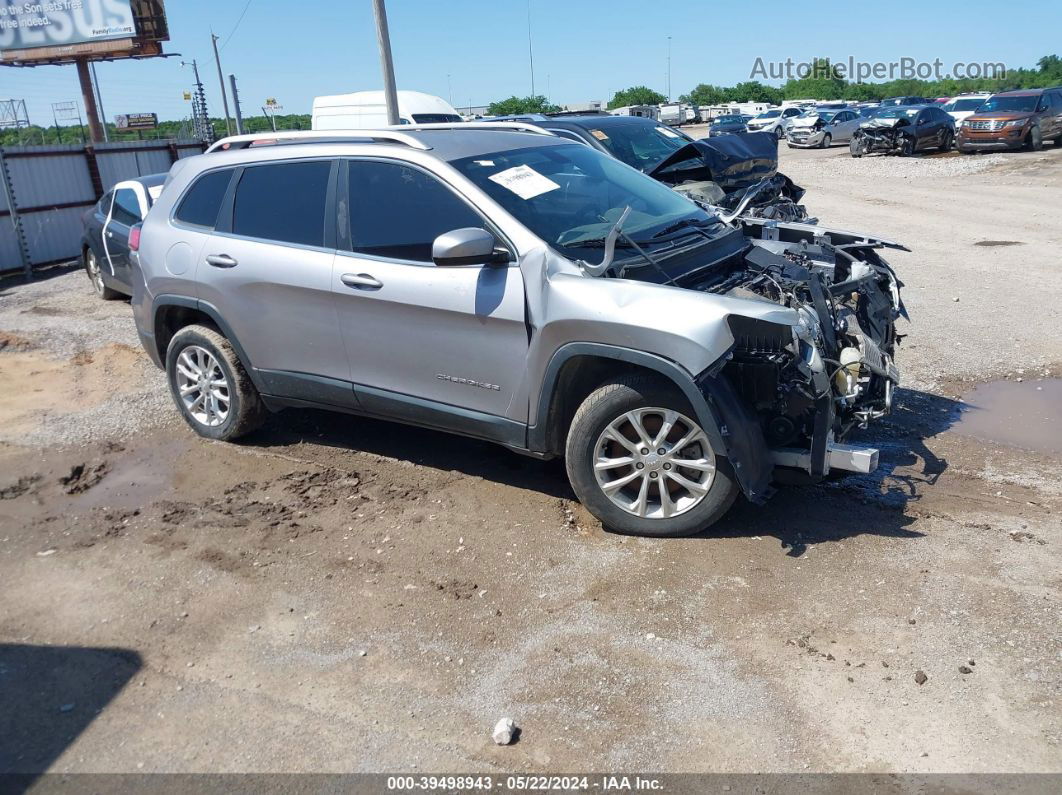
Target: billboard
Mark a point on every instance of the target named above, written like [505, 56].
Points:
[136, 121]
[32, 24]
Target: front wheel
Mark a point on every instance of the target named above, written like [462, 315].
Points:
[1035, 140]
[779, 132]
[827, 139]
[946, 142]
[210, 385]
[641, 463]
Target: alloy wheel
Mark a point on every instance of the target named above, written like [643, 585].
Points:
[654, 463]
[202, 386]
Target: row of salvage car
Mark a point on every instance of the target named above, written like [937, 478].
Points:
[1007, 121]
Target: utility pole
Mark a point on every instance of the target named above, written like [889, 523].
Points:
[387, 65]
[236, 105]
[668, 68]
[221, 82]
[99, 101]
[530, 50]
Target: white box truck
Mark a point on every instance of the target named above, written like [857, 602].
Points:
[367, 110]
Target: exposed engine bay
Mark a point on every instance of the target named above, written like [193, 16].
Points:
[810, 385]
[888, 136]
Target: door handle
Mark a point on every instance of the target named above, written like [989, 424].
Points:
[221, 261]
[110, 234]
[359, 280]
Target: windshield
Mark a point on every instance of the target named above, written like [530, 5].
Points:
[898, 113]
[1018, 104]
[571, 195]
[769, 114]
[728, 120]
[640, 145]
[964, 104]
[435, 118]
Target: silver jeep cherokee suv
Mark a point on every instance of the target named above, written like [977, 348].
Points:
[503, 283]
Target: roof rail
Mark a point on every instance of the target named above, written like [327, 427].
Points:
[398, 134]
[314, 136]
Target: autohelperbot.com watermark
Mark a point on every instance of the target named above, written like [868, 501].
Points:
[851, 68]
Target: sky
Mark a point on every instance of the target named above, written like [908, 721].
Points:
[476, 51]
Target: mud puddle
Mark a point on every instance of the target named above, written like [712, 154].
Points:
[1026, 414]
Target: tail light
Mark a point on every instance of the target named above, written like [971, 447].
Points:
[134, 238]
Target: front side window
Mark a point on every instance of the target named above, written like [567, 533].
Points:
[283, 202]
[397, 211]
[435, 118]
[201, 203]
[126, 208]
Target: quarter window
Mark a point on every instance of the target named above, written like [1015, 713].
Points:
[283, 202]
[126, 208]
[201, 203]
[397, 211]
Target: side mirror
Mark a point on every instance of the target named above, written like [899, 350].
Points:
[468, 246]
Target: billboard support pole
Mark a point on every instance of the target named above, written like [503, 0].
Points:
[386, 63]
[221, 81]
[99, 101]
[89, 100]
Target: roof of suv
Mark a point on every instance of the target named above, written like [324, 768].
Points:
[447, 142]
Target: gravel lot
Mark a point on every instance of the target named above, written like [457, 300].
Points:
[343, 595]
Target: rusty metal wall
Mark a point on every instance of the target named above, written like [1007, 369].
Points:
[53, 186]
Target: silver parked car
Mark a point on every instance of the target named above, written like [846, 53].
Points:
[501, 282]
[823, 128]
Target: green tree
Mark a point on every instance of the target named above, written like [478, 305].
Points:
[636, 95]
[754, 91]
[515, 105]
[705, 94]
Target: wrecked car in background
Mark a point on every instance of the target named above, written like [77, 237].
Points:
[904, 130]
[822, 128]
[674, 355]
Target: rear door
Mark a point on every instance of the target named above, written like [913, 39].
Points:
[126, 211]
[414, 331]
[267, 269]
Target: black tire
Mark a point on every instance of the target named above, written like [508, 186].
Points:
[92, 270]
[779, 132]
[827, 139]
[608, 403]
[1035, 140]
[946, 142]
[245, 413]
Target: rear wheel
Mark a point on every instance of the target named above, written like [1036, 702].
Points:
[92, 268]
[641, 463]
[210, 385]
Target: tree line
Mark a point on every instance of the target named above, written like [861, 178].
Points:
[822, 82]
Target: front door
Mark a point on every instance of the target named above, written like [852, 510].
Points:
[125, 212]
[417, 334]
[267, 269]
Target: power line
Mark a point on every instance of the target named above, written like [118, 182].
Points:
[237, 25]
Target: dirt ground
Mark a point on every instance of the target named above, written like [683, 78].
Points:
[335, 594]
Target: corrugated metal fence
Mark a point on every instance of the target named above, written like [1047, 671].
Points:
[46, 189]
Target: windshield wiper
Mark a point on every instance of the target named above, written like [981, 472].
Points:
[609, 241]
[667, 230]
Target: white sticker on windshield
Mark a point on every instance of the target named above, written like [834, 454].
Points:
[667, 132]
[524, 181]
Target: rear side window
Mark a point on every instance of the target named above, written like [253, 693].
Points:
[202, 202]
[126, 208]
[397, 211]
[283, 202]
